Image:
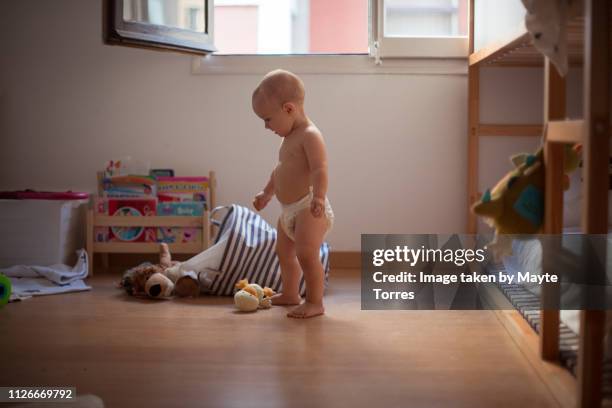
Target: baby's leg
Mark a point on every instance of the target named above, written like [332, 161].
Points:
[290, 270]
[309, 234]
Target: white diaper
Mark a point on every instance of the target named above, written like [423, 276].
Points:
[290, 212]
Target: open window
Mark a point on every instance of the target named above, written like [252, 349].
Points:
[291, 27]
[384, 28]
[183, 25]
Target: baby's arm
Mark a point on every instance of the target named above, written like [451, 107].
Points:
[316, 155]
[263, 197]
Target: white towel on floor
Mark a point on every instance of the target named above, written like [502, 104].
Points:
[30, 281]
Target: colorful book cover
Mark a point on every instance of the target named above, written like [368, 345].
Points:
[132, 208]
[175, 208]
[182, 184]
[129, 186]
[179, 235]
[182, 198]
[101, 234]
[182, 188]
[131, 180]
[173, 235]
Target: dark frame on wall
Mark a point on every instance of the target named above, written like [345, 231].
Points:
[119, 31]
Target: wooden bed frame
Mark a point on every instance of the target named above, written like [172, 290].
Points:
[105, 248]
[589, 44]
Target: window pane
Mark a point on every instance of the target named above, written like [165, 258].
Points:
[425, 18]
[291, 26]
[184, 14]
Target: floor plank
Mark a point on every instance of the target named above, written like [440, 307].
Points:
[201, 352]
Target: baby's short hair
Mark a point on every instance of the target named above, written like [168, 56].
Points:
[282, 86]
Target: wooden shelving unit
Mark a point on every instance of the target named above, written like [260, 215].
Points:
[589, 44]
[565, 131]
[96, 220]
[518, 51]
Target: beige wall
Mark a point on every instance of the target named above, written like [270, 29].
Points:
[68, 103]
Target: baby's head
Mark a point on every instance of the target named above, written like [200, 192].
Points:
[279, 101]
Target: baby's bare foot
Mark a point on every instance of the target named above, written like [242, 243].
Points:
[283, 299]
[306, 310]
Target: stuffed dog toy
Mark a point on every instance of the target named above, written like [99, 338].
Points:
[160, 281]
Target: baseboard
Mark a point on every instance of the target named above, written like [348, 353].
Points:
[345, 259]
[338, 259]
[118, 263]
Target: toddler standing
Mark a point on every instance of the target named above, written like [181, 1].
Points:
[299, 182]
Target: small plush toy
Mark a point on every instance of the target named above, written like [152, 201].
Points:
[516, 204]
[160, 281]
[251, 296]
[5, 290]
[547, 21]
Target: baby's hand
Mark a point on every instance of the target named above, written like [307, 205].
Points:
[317, 206]
[261, 200]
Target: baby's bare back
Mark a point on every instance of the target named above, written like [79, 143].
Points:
[292, 173]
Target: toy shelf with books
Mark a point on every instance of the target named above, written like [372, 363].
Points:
[134, 214]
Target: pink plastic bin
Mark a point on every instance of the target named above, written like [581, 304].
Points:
[42, 195]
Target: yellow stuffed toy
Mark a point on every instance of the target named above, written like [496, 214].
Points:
[516, 204]
[251, 296]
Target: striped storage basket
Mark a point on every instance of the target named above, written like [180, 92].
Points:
[250, 254]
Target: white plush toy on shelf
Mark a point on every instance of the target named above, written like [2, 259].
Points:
[251, 296]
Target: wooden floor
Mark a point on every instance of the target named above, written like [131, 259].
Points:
[135, 353]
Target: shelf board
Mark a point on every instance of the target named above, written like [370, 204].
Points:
[565, 131]
[509, 130]
[518, 50]
[146, 247]
[148, 221]
[498, 49]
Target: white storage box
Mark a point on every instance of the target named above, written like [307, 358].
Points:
[42, 231]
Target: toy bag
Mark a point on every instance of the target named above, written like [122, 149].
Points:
[243, 249]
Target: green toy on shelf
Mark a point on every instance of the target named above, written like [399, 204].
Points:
[516, 204]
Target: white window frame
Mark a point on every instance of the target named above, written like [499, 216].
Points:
[432, 56]
[410, 47]
[325, 64]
